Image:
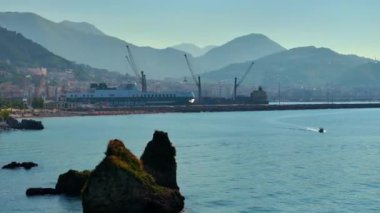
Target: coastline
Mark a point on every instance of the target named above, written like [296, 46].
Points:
[132, 110]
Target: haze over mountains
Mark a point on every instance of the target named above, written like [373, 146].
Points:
[84, 43]
[193, 49]
[87, 45]
[245, 48]
[19, 51]
[18, 54]
[297, 67]
[364, 75]
[82, 27]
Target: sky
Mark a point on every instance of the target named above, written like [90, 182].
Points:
[346, 26]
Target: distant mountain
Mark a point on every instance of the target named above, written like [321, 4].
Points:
[298, 67]
[83, 43]
[82, 27]
[245, 48]
[193, 49]
[74, 42]
[18, 52]
[364, 75]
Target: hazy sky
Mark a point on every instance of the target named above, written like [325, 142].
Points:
[347, 26]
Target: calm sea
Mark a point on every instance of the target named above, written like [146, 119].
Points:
[227, 162]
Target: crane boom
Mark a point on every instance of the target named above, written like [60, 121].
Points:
[197, 81]
[191, 70]
[245, 74]
[237, 83]
[132, 63]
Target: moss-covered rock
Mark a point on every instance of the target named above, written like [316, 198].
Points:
[72, 182]
[69, 183]
[120, 184]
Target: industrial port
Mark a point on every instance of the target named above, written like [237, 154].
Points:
[140, 95]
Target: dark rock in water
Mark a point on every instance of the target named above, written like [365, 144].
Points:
[72, 182]
[28, 165]
[27, 124]
[69, 183]
[120, 184]
[14, 165]
[31, 124]
[13, 123]
[41, 191]
[159, 160]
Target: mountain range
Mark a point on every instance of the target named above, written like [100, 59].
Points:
[245, 48]
[18, 53]
[298, 67]
[83, 43]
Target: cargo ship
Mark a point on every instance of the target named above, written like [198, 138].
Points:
[127, 95]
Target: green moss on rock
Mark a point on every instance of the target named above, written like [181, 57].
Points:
[120, 184]
[72, 182]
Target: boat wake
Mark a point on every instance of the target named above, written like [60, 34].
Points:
[310, 129]
[291, 126]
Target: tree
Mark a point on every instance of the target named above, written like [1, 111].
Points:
[38, 103]
[4, 114]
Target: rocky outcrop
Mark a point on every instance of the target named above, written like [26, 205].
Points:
[31, 124]
[41, 191]
[70, 183]
[159, 160]
[14, 165]
[120, 184]
[27, 124]
[12, 123]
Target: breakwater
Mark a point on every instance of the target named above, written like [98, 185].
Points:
[191, 108]
[229, 108]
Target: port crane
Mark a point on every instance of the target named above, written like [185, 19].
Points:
[237, 83]
[197, 81]
[140, 76]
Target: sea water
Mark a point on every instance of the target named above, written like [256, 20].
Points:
[271, 161]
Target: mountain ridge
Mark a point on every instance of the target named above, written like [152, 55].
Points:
[107, 52]
[243, 48]
[101, 51]
[297, 67]
[18, 53]
[82, 27]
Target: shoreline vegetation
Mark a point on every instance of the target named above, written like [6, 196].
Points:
[41, 113]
